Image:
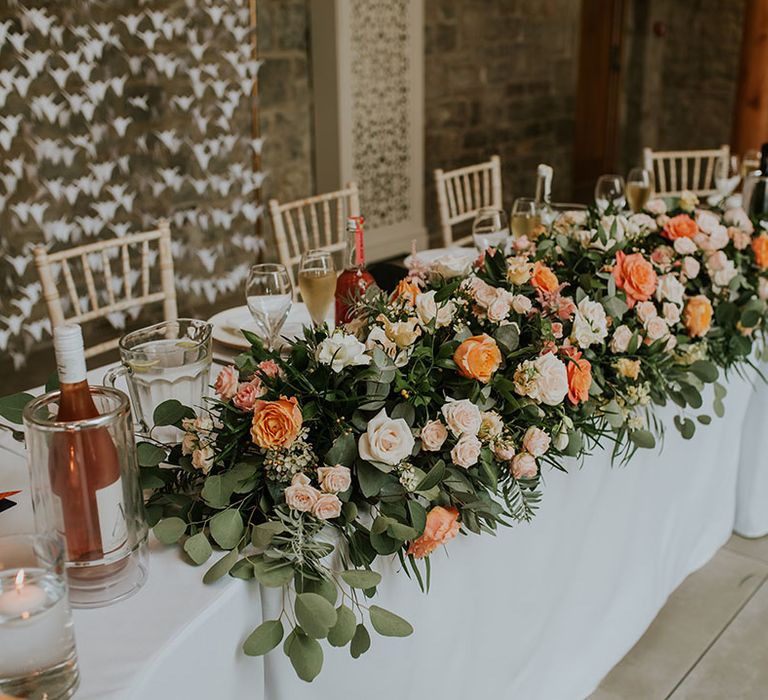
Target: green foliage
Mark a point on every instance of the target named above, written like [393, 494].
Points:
[12, 407]
[264, 638]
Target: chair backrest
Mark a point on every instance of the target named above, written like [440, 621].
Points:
[107, 290]
[677, 171]
[314, 222]
[463, 192]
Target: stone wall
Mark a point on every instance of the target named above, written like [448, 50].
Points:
[500, 78]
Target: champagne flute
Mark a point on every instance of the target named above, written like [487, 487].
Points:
[525, 217]
[268, 292]
[639, 188]
[317, 281]
[609, 191]
[490, 229]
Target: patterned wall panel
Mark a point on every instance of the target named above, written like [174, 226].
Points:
[112, 115]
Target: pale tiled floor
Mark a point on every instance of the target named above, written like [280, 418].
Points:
[710, 641]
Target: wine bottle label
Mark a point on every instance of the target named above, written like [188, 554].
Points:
[112, 524]
[70, 356]
[359, 247]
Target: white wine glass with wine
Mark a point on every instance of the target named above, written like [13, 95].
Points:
[317, 281]
[525, 217]
[639, 188]
[610, 192]
[490, 229]
[269, 294]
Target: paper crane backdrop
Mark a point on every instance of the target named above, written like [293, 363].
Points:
[113, 114]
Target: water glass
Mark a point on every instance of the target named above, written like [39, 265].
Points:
[490, 229]
[84, 483]
[609, 191]
[268, 293]
[526, 217]
[38, 658]
[639, 188]
[317, 281]
[170, 360]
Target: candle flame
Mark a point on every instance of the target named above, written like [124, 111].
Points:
[19, 579]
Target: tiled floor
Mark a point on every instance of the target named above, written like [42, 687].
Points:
[710, 641]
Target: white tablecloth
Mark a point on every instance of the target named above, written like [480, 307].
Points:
[543, 611]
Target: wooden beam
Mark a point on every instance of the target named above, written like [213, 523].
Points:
[750, 116]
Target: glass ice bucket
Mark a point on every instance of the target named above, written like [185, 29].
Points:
[85, 486]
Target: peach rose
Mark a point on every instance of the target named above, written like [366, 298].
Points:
[245, 398]
[466, 452]
[628, 368]
[202, 459]
[543, 278]
[740, 238]
[326, 507]
[478, 357]
[226, 383]
[442, 526]
[300, 495]
[685, 246]
[334, 479]
[536, 441]
[407, 290]
[276, 423]
[620, 340]
[521, 304]
[270, 368]
[690, 267]
[524, 466]
[463, 417]
[636, 276]
[433, 435]
[579, 378]
[697, 316]
[760, 249]
[680, 226]
[519, 270]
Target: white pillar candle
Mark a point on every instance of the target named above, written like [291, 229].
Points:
[23, 600]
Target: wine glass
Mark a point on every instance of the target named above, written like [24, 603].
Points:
[268, 292]
[639, 188]
[317, 281]
[750, 162]
[727, 175]
[490, 229]
[525, 217]
[609, 191]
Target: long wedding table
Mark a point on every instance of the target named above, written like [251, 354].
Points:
[542, 611]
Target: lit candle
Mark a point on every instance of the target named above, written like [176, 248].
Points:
[23, 600]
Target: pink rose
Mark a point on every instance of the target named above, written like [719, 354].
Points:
[300, 495]
[499, 307]
[524, 466]
[326, 507]
[466, 452]
[270, 368]
[690, 267]
[433, 435]
[521, 304]
[482, 292]
[741, 240]
[620, 340]
[536, 441]
[557, 330]
[684, 246]
[646, 310]
[226, 383]
[463, 417]
[717, 261]
[662, 256]
[504, 451]
[334, 479]
[656, 328]
[671, 313]
[247, 394]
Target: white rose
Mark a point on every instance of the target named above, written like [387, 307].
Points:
[739, 218]
[466, 451]
[387, 440]
[707, 221]
[550, 384]
[521, 304]
[719, 238]
[341, 350]
[607, 223]
[643, 223]
[378, 338]
[491, 425]
[449, 266]
[690, 267]
[300, 495]
[433, 435]
[589, 324]
[645, 311]
[671, 289]
[463, 417]
[482, 292]
[657, 207]
[499, 308]
[427, 309]
[524, 466]
[335, 479]
[671, 313]
[536, 441]
[620, 340]
[722, 277]
[684, 246]
[202, 459]
[326, 507]
[656, 328]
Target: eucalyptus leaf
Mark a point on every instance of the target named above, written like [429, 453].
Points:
[12, 407]
[227, 528]
[388, 624]
[306, 656]
[216, 491]
[361, 641]
[263, 534]
[315, 614]
[149, 455]
[705, 370]
[342, 632]
[272, 573]
[169, 530]
[221, 567]
[433, 478]
[360, 578]
[171, 412]
[343, 451]
[198, 548]
[264, 638]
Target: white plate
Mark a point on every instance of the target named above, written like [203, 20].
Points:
[227, 324]
[425, 257]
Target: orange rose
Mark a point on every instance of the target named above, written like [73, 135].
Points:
[544, 279]
[442, 526]
[408, 290]
[760, 248]
[276, 423]
[697, 316]
[636, 276]
[478, 358]
[579, 371]
[680, 226]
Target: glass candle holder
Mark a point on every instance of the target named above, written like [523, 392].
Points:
[37, 642]
[85, 486]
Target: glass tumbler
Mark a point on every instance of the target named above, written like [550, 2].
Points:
[84, 479]
[37, 643]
